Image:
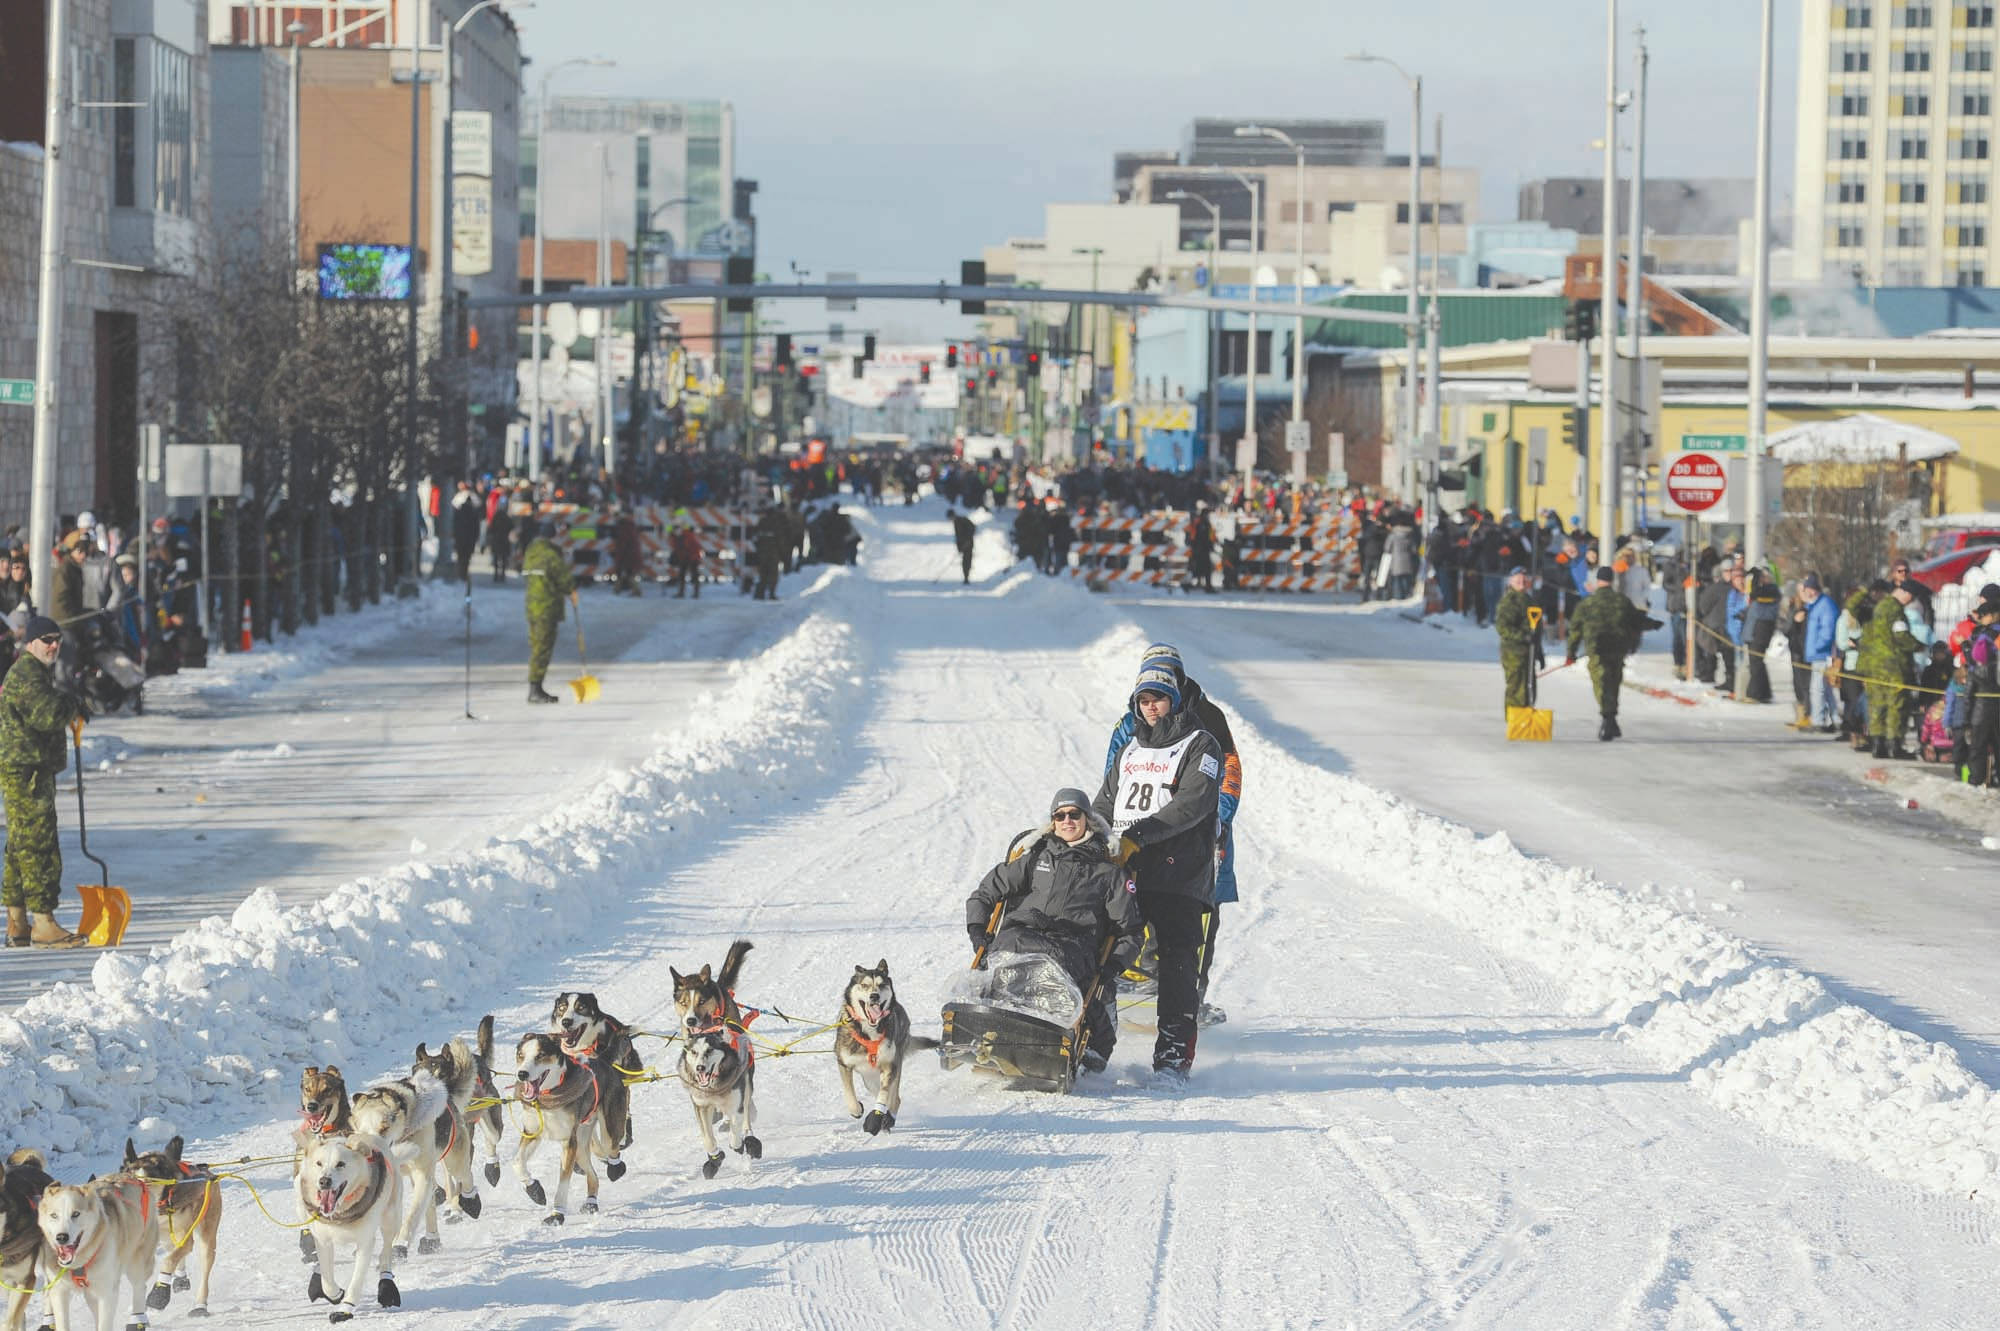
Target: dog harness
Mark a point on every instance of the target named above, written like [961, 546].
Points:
[856, 1028]
[80, 1276]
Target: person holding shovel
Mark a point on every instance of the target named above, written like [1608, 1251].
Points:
[34, 713]
[549, 584]
[1520, 638]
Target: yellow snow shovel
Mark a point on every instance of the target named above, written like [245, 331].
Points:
[106, 909]
[584, 686]
[1531, 722]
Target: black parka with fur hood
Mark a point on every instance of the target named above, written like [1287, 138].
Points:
[1072, 893]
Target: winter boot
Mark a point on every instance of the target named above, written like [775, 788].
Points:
[1801, 717]
[1607, 728]
[47, 933]
[536, 693]
[1880, 748]
[17, 926]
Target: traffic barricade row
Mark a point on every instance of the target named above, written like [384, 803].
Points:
[1314, 554]
[583, 533]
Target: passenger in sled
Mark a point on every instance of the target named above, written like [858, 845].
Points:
[1052, 926]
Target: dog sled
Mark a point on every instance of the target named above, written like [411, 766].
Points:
[1021, 1017]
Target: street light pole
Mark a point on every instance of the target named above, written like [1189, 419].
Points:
[1612, 476]
[1635, 319]
[541, 229]
[1250, 377]
[412, 460]
[1407, 481]
[1760, 308]
[1299, 268]
[1095, 252]
[1214, 358]
[49, 311]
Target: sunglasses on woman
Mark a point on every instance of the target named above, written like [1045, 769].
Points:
[1068, 815]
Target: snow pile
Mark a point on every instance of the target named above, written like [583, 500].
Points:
[1755, 1036]
[225, 1013]
[437, 609]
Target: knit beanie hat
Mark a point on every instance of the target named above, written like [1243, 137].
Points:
[1069, 797]
[1157, 678]
[1164, 653]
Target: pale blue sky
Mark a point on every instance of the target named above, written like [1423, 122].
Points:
[896, 138]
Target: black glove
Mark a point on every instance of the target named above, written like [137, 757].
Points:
[980, 938]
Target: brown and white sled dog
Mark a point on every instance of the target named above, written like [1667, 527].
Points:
[100, 1235]
[704, 1002]
[458, 1068]
[489, 1122]
[26, 1177]
[352, 1188]
[588, 1030]
[873, 1038]
[416, 1110]
[582, 1105]
[189, 1201]
[718, 1066]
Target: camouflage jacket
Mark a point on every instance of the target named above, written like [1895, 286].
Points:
[1606, 625]
[1886, 643]
[34, 714]
[1511, 620]
[549, 580]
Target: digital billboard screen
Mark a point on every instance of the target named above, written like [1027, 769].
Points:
[355, 271]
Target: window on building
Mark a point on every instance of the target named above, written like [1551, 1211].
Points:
[1910, 104]
[1916, 60]
[1973, 276]
[1850, 59]
[1911, 189]
[1974, 103]
[1910, 147]
[173, 130]
[1847, 191]
[1911, 15]
[1976, 16]
[1908, 236]
[1848, 104]
[1451, 214]
[1976, 59]
[1970, 148]
[1846, 147]
[1234, 348]
[125, 123]
[1968, 191]
[1847, 236]
[1857, 16]
[1968, 235]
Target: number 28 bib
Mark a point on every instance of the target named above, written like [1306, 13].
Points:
[1146, 780]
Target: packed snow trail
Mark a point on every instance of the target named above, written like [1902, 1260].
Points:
[1772, 834]
[1400, 1125]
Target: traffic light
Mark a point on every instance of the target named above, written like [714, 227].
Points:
[972, 273]
[1576, 429]
[1580, 321]
[1034, 361]
[923, 372]
[992, 375]
[783, 355]
[951, 355]
[868, 347]
[971, 385]
[739, 270]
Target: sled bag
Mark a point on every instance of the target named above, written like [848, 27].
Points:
[1531, 723]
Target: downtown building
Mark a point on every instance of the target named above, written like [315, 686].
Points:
[1896, 143]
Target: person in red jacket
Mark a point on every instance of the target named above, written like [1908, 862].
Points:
[684, 555]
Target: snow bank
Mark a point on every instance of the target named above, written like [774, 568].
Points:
[226, 1013]
[1756, 1037]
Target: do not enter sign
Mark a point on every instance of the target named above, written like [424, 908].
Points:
[1696, 482]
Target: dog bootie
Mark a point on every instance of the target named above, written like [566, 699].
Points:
[589, 1206]
[429, 1244]
[878, 1121]
[614, 1169]
[1094, 1061]
[181, 1282]
[386, 1292]
[535, 1193]
[492, 1173]
[401, 1250]
[469, 1203]
[710, 1165]
[753, 1148]
[553, 1218]
[159, 1295]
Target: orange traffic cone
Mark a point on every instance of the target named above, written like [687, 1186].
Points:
[246, 623]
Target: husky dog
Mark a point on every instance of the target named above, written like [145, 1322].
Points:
[323, 1112]
[20, 1234]
[706, 1004]
[352, 1188]
[100, 1234]
[587, 1029]
[189, 1200]
[719, 1067]
[874, 1035]
[458, 1068]
[491, 1121]
[582, 1105]
[417, 1110]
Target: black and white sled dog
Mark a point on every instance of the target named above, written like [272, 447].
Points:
[21, 1188]
[873, 1038]
[587, 1029]
[705, 1002]
[491, 1120]
[352, 1188]
[100, 1235]
[582, 1105]
[189, 1200]
[457, 1066]
[416, 1111]
[719, 1068]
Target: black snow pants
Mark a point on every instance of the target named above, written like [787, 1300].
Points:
[1179, 925]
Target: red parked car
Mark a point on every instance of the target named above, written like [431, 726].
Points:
[1947, 570]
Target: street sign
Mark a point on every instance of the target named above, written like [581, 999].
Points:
[185, 470]
[1696, 482]
[1714, 443]
[841, 304]
[18, 392]
[1298, 436]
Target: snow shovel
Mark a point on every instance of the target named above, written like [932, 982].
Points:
[1532, 722]
[106, 909]
[584, 686]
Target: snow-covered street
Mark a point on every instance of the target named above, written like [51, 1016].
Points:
[1459, 1086]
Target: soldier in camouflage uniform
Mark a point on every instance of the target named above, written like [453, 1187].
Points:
[1887, 649]
[1606, 627]
[1520, 642]
[549, 584]
[33, 749]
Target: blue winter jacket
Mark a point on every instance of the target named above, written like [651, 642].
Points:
[1821, 616]
[1739, 604]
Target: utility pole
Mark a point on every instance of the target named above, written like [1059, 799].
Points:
[49, 309]
[1635, 316]
[1760, 310]
[1607, 319]
[413, 458]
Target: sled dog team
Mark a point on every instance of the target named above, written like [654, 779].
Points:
[369, 1165]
